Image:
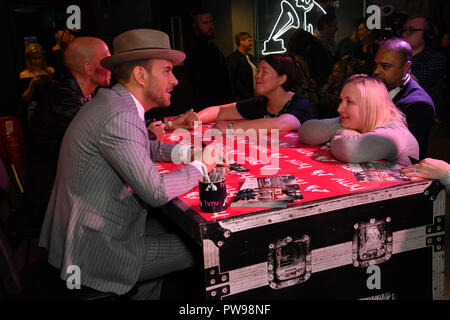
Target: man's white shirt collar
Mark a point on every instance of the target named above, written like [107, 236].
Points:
[395, 91]
[183, 153]
[139, 107]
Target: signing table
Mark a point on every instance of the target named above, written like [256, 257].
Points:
[345, 239]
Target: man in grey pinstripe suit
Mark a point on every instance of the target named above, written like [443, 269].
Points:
[96, 217]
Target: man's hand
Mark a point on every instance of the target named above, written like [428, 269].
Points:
[211, 155]
[157, 128]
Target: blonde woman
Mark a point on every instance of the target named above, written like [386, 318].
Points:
[369, 128]
[36, 78]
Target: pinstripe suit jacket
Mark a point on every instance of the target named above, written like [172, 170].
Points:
[96, 214]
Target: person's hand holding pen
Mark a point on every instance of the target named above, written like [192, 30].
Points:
[211, 155]
[208, 156]
[222, 157]
[157, 127]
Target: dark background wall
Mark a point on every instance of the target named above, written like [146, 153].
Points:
[100, 18]
[107, 18]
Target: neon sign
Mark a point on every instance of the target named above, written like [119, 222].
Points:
[289, 19]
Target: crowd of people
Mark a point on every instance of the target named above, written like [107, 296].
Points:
[91, 179]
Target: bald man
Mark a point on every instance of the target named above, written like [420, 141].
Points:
[82, 59]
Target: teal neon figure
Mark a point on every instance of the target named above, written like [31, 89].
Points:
[289, 19]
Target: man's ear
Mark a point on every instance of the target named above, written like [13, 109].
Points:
[406, 67]
[139, 75]
[88, 68]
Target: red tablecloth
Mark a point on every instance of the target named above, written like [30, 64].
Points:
[319, 175]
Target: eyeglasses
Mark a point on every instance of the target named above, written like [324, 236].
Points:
[409, 31]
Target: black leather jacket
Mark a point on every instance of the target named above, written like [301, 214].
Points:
[51, 120]
[241, 74]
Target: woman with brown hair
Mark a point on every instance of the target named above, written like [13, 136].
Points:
[276, 107]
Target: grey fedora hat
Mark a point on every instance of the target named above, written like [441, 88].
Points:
[140, 44]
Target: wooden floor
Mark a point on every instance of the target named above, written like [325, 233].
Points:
[439, 148]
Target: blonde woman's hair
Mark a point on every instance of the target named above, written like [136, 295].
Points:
[377, 108]
[30, 50]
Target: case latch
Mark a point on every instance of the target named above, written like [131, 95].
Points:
[372, 242]
[289, 262]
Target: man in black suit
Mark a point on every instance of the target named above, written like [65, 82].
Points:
[243, 67]
[392, 65]
[207, 65]
[428, 65]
